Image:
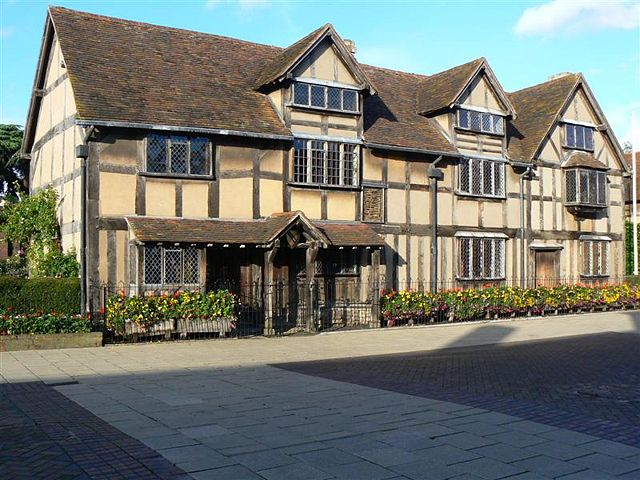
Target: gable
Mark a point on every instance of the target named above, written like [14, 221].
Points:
[324, 62]
[481, 94]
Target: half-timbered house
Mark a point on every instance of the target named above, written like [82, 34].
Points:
[183, 159]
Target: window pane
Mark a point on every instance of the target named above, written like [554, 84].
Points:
[333, 163]
[301, 94]
[191, 266]
[333, 98]
[173, 266]
[317, 96]
[156, 153]
[350, 100]
[152, 265]
[475, 120]
[487, 262]
[300, 160]
[579, 136]
[199, 154]
[464, 269]
[476, 176]
[586, 258]
[486, 122]
[498, 124]
[571, 186]
[499, 258]
[179, 154]
[498, 171]
[593, 187]
[487, 178]
[571, 135]
[476, 254]
[350, 157]
[584, 186]
[602, 188]
[317, 161]
[464, 183]
[588, 138]
[463, 118]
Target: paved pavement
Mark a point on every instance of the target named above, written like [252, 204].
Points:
[217, 409]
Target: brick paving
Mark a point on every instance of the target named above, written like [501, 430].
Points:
[44, 435]
[589, 384]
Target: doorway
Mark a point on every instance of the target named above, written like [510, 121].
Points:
[547, 268]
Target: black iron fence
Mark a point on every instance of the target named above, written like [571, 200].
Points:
[228, 309]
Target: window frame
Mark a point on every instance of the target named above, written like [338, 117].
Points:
[311, 177]
[163, 268]
[497, 270]
[600, 175]
[575, 146]
[492, 116]
[309, 86]
[496, 163]
[169, 140]
[604, 249]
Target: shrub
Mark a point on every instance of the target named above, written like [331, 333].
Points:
[402, 306]
[15, 266]
[29, 295]
[147, 310]
[32, 323]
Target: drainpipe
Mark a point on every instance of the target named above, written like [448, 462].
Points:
[82, 152]
[434, 174]
[526, 173]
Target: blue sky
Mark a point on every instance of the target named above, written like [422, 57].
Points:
[524, 42]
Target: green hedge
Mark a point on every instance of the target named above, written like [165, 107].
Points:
[28, 295]
[11, 324]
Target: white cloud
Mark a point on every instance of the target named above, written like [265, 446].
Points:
[570, 16]
[243, 4]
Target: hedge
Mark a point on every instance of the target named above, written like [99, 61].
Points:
[40, 323]
[29, 295]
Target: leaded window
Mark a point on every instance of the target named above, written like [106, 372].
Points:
[321, 162]
[484, 122]
[481, 177]
[586, 187]
[578, 136]
[337, 262]
[178, 154]
[171, 265]
[595, 258]
[481, 258]
[322, 96]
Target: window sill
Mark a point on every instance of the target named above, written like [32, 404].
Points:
[472, 196]
[184, 176]
[470, 130]
[590, 150]
[322, 186]
[594, 277]
[461, 279]
[325, 110]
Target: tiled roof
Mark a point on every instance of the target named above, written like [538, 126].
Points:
[139, 73]
[252, 232]
[537, 108]
[440, 90]
[584, 159]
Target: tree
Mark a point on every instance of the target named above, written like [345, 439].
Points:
[627, 147]
[13, 169]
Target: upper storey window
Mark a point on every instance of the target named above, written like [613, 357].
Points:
[325, 97]
[578, 136]
[175, 154]
[325, 163]
[481, 177]
[484, 122]
[586, 187]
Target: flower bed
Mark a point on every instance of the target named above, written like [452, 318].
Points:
[410, 306]
[12, 323]
[182, 312]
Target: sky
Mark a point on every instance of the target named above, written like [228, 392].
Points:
[525, 42]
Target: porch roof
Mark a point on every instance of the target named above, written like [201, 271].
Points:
[254, 232]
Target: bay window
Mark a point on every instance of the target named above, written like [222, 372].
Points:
[586, 187]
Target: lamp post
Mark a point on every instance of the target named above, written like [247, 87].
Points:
[434, 174]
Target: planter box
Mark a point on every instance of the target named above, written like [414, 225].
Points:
[12, 343]
[220, 325]
[164, 327]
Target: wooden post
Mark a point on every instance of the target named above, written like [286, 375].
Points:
[310, 257]
[375, 282]
[269, 256]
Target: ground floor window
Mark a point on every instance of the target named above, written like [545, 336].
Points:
[171, 265]
[481, 258]
[595, 258]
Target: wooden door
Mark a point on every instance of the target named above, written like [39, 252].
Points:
[547, 267]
